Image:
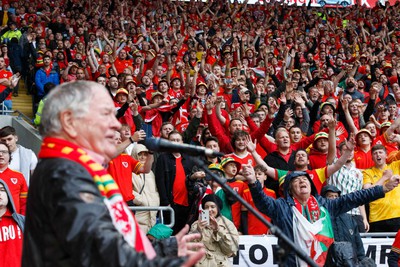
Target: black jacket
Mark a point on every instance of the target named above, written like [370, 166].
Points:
[165, 175]
[68, 224]
[276, 161]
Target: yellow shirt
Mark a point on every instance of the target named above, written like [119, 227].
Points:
[389, 206]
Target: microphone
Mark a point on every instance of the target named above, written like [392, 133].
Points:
[162, 145]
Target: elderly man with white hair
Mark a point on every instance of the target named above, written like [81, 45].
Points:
[76, 215]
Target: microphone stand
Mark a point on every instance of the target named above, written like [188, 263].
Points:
[275, 230]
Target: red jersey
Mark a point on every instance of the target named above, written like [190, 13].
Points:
[255, 226]
[247, 159]
[18, 188]
[121, 169]
[390, 146]
[5, 74]
[10, 241]
[120, 65]
[239, 187]
[363, 159]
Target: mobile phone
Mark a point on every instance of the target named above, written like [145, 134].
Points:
[205, 216]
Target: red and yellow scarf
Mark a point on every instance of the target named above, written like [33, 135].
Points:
[122, 217]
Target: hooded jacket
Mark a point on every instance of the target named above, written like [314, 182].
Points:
[281, 212]
[18, 218]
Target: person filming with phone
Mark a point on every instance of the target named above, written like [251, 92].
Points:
[218, 234]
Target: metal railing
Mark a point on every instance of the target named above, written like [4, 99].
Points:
[161, 211]
[383, 234]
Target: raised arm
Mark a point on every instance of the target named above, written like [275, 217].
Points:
[251, 147]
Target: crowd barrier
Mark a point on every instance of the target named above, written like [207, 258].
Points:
[259, 250]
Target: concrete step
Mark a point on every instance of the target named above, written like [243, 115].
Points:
[23, 102]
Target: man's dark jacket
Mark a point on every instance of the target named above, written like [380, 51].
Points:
[68, 223]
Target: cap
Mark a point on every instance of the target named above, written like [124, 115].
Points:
[122, 91]
[215, 166]
[387, 65]
[321, 135]
[329, 188]
[228, 160]
[153, 95]
[130, 81]
[327, 104]
[364, 131]
[386, 124]
[200, 84]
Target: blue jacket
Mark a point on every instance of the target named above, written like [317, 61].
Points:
[41, 79]
[281, 213]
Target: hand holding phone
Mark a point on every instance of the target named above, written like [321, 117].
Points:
[205, 216]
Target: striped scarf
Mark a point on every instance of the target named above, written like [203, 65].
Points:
[121, 216]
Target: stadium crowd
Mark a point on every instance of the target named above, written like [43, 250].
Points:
[277, 87]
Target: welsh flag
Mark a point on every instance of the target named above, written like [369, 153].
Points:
[314, 238]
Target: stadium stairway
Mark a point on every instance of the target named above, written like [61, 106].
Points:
[23, 102]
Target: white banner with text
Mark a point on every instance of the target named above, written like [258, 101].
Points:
[259, 250]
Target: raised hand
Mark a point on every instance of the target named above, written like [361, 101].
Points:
[194, 251]
[251, 146]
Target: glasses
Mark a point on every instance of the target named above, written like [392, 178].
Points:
[3, 152]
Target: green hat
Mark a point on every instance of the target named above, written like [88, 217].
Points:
[228, 160]
[160, 231]
[321, 135]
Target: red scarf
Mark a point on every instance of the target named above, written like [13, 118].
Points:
[122, 218]
[310, 211]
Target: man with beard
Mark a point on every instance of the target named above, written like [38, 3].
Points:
[350, 179]
[351, 89]
[44, 75]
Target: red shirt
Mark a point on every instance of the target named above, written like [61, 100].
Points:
[10, 241]
[120, 65]
[18, 188]
[239, 187]
[243, 160]
[121, 169]
[179, 190]
[255, 226]
[5, 74]
[363, 159]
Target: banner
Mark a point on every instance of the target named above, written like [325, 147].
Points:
[329, 3]
[259, 250]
